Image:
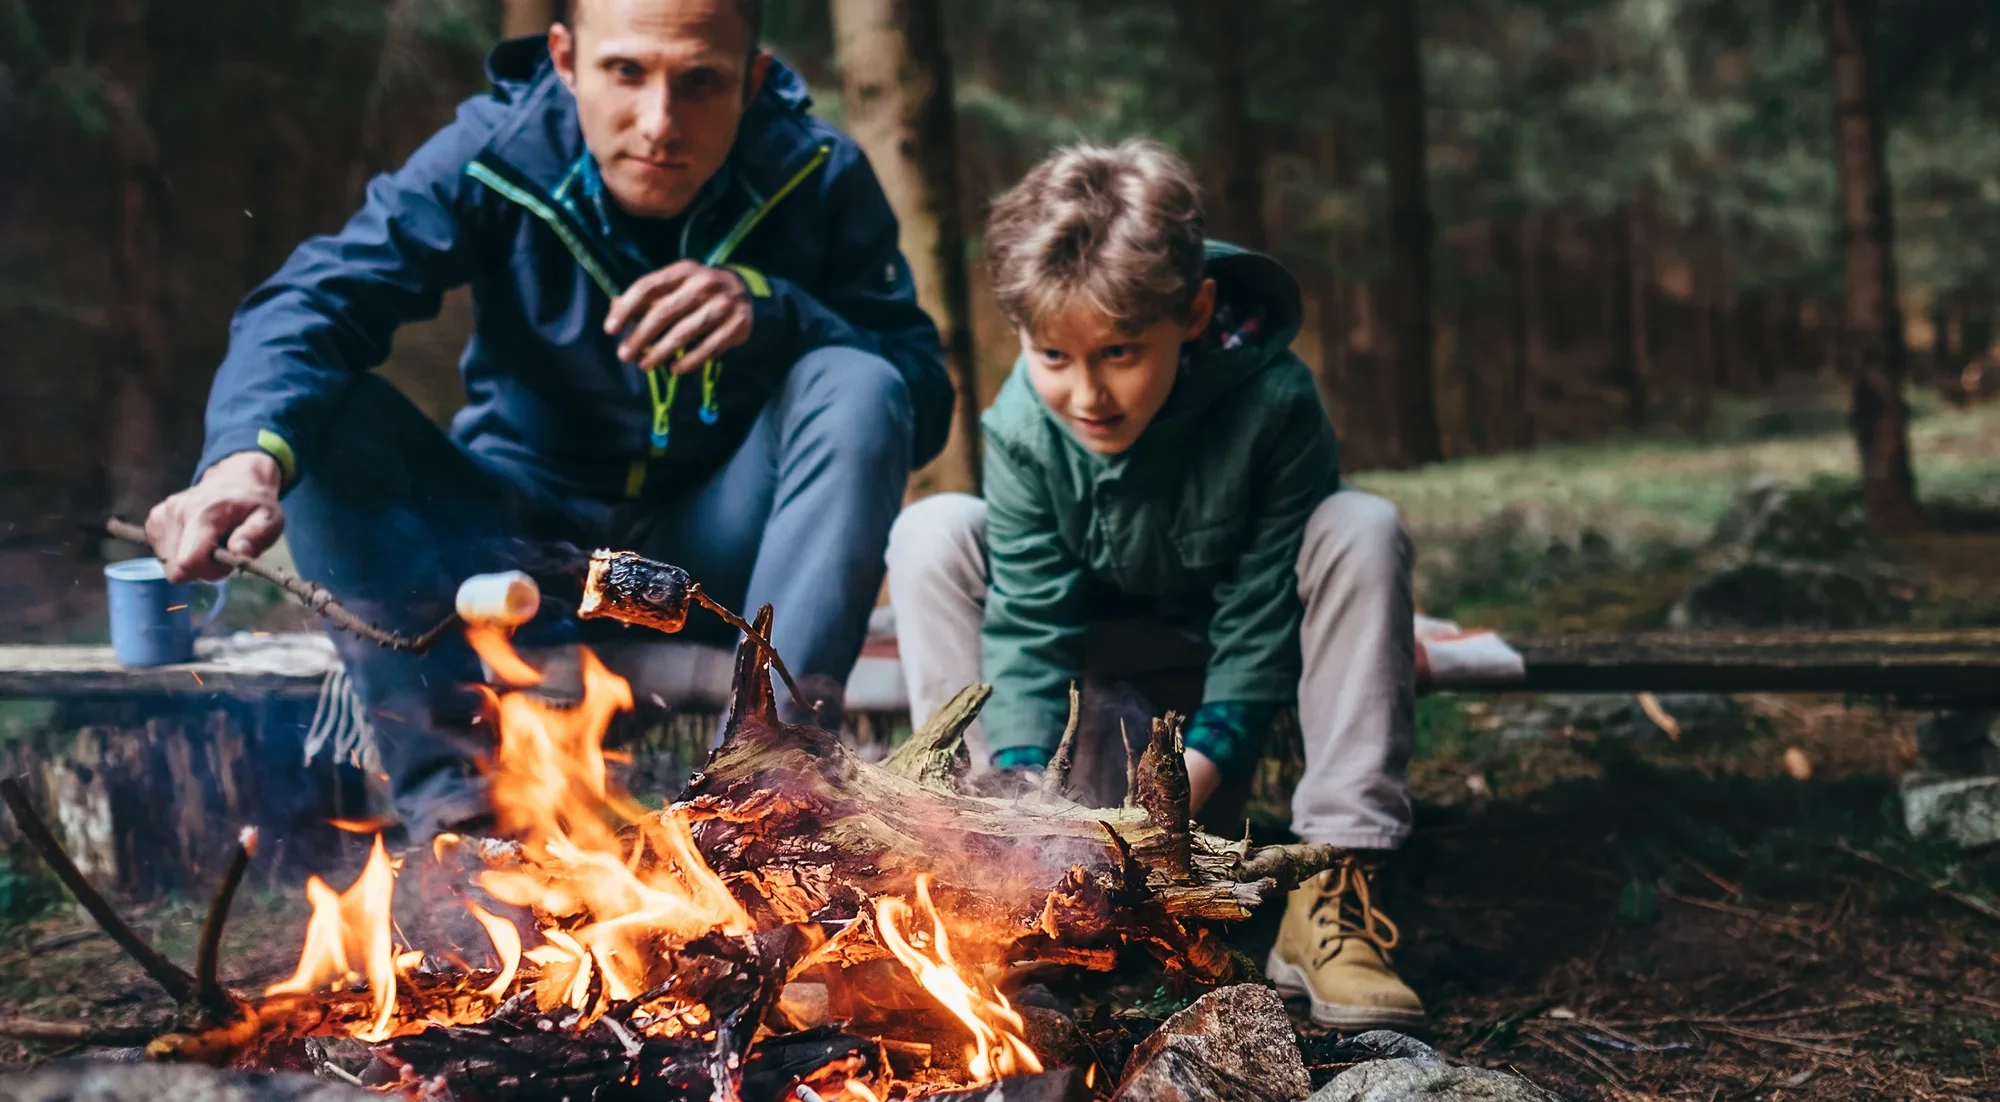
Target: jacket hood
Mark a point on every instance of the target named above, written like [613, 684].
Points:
[1249, 287]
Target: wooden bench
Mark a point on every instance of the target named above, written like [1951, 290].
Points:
[150, 771]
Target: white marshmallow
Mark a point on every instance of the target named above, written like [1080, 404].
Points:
[508, 599]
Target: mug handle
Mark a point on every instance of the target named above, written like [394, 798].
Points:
[221, 590]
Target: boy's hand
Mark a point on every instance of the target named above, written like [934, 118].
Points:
[686, 313]
[1204, 777]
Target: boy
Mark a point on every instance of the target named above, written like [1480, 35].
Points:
[1158, 447]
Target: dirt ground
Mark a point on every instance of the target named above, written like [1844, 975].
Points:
[1614, 919]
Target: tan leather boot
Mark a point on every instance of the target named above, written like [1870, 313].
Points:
[1333, 948]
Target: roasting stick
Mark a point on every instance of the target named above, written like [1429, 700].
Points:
[313, 596]
[704, 600]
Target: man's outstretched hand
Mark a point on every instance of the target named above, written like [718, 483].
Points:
[685, 310]
[234, 505]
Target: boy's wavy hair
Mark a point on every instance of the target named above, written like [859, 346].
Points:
[1117, 227]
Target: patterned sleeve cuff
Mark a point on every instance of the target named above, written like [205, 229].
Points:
[1021, 757]
[1230, 733]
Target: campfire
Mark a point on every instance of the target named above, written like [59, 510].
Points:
[799, 924]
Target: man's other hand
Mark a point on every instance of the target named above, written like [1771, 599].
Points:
[684, 315]
[235, 504]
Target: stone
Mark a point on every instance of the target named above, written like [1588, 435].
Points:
[1759, 591]
[1789, 555]
[1960, 742]
[1428, 1080]
[1054, 1036]
[1962, 810]
[1234, 1044]
[119, 1082]
[1390, 1067]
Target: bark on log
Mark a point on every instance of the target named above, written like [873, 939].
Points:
[790, 814]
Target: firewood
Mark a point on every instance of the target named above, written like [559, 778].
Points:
[790, 810]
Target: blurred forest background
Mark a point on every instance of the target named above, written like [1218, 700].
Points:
[1520, 224]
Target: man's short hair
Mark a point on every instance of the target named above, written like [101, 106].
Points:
[1119, 228]
[751, 12]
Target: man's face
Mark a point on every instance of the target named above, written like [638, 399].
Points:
[1107, 383]
[660, 87]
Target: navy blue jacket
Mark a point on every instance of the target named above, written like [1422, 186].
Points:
[501, 199]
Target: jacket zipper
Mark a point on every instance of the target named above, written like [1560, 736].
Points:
[662, 395]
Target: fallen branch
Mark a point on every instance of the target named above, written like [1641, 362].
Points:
[208, 989]
[1940, 887]
[75, 1033]
[178, 984]
[313, 596]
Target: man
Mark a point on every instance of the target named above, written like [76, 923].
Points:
[694, 337]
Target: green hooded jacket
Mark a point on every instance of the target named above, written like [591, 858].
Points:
[1200, 520]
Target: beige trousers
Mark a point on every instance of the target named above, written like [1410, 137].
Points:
[1356, 695]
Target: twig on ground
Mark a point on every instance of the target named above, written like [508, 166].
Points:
[1972, 902]
[1755, 999]
[179, 985]
[1738, 1019]
[1741, 912]
[313, 596]
[1555, 1043]
[53, 942]
[1781, 1039]
[208, 988]
[75, 1033]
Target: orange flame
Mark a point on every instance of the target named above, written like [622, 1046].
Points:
[551, 791]
[997, 1049]
[506, 942]
[347, 927]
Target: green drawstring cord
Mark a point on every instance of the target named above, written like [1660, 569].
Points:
[711, 372]
[663, 401]
[663, 404]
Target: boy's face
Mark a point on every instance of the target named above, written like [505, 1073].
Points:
[1107, 383]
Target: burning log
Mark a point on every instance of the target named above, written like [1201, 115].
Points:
[790, 815]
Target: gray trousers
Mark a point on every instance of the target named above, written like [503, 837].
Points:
[1356, 695]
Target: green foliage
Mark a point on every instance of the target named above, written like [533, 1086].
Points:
[27, 889]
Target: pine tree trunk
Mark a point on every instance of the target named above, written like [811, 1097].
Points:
[1871, 347]
[521, 17]
[1410, 235]
[1516, 254]
[897, 93]
[1632, 350]
[139, 466]
[1221, 25]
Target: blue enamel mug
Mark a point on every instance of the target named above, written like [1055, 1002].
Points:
[151, 619]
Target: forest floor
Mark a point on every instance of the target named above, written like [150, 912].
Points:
[1614, 916]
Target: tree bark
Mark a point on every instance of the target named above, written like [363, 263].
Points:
[1871, 348]
[139, 469]
[897, 88]
[1632, 353]
[1221, 26]
[1411, 234]
[1516, 253]
[521, 17]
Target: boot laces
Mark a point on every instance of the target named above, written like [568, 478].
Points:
[1346, 909]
